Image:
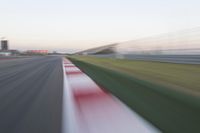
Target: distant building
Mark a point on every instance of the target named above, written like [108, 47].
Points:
[4, 44]
[106, 49]
[5, 49]
[37, 52]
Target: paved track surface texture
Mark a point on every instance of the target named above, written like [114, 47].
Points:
[31, 95]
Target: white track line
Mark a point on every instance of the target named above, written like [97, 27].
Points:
[88, 109]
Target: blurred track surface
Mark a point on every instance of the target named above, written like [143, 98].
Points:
[31, 95]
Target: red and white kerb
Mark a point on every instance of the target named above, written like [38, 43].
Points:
[95, 110]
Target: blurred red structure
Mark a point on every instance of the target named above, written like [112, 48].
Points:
[37, 51]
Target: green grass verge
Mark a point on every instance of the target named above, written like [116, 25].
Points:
[181, 77]
[171, 110]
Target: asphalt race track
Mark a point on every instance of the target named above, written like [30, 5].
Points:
[31, 95]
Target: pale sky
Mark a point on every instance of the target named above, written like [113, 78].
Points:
[71, 25]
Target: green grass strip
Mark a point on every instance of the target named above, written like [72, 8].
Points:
[183, 77]
[169, 110]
